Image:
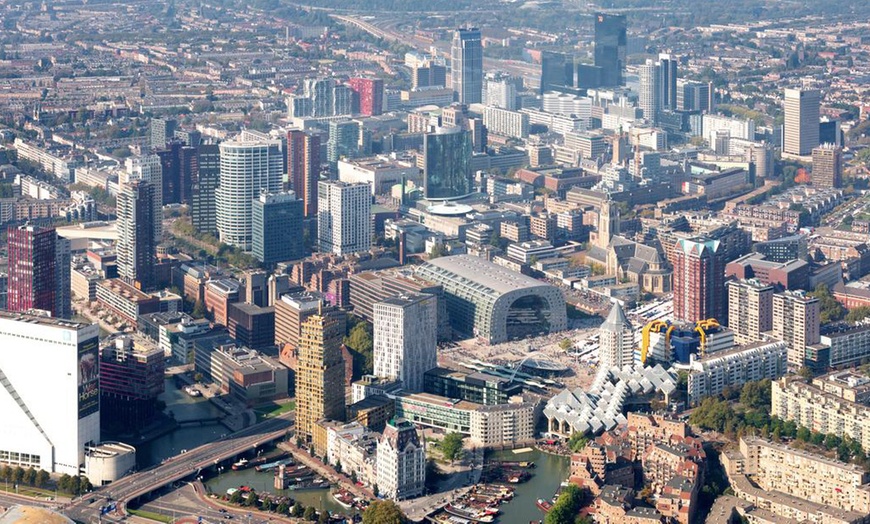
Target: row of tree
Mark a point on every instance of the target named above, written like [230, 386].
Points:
[29, 476]
[567, 506]
[285, 507]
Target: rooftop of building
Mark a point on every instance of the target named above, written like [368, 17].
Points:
[42, 320]
[845, 466]
[370, 402]
[483, 272]
[438, 400]
[119, 287]
[405, 299]
[252, 309]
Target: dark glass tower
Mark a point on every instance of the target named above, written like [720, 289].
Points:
[447, 163]
[610, 44]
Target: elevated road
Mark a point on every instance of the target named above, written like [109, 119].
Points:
[131, 487]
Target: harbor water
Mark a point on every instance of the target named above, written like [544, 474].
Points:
[183, 407]
[262, 482]
[549, 472]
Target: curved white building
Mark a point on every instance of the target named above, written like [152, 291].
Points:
[493, 302]
[246, 168]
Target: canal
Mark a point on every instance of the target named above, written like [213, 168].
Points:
[183, 407]
[550, 471]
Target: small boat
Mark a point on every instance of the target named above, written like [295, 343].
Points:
[242, 464]
[273, 465]
[544, 505]
[343, 497]
[518, 464]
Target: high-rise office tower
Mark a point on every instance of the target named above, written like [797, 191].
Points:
[616, 340]
[447, 163]
[827, 166]
[344, 141]
[162, 131]
[137, 247]
[50, 398]
[277, 221]
[370, 95]
[649, 97]
[150, 169]
[320, 376]
[177, 165]
[699, 280]
[466, 63]
[344, 217]
[428, 74]
[293, 309]
[131, 379]
[557, 71]
[801, 130]
[694, 96]
[39, 271]
[203, 187]
[405, 333]
[750, 309]
[610, 48]
[668, 81]
[246, 169]
[303, 165]
[796, 320]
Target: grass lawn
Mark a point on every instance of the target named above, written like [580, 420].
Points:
[149, 515]
[273, 409]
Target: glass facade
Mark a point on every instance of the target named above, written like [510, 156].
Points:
[447, 170]
[610, 46]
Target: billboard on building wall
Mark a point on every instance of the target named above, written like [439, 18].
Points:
[89, 377]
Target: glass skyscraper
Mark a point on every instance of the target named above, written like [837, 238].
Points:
[466, 63]
[447, 163]
[610, 45]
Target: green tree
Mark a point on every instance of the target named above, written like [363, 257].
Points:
[565, 510]
[42, 478]
[266, 503]
[283, 508]
[858, 313]
[577, 441]
[198, 309]
[361, 344]
[375, 490]
[5, 472]
[236, 497]
[298, 510]
[803, 434]
[18, 475]
[30, 476]
[451, 446]
[436, 251]
[323, 517]
[831, 310]
[383, 512]
[566, 344]
[310, 514]
[756, 394]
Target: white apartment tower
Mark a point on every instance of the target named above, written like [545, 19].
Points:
[247, 167]
[796, 320]
[649, 97]
[616, 340]
[49, 392]
[344, 223]
[405, 334]
[801, 130]
[750, 309]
